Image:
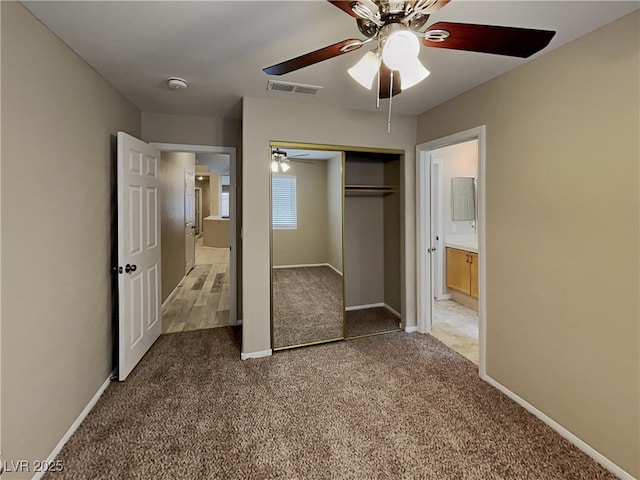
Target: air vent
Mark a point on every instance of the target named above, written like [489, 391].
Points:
[287, 87]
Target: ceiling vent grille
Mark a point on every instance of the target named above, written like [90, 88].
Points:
[287, 87]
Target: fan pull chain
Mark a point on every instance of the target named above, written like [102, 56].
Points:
[390, 102]
[378, 92]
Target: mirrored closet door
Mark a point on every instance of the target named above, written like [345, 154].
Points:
[307, 287]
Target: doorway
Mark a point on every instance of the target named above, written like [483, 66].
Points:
[450, 240]
[206, 296]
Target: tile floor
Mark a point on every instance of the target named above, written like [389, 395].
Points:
[201, 300]
[456, 326]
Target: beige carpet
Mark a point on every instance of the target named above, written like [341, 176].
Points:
[395, 406]
[307, 305]
[371, 320]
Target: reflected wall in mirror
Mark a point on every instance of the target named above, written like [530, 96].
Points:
[307, 290]
[463, 198]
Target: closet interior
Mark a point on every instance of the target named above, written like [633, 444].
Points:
[372, 243]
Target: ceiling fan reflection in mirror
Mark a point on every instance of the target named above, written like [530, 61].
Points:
[280, 160]
[395, 28]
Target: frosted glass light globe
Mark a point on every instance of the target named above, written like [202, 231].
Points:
[401, 48]
[365, 71]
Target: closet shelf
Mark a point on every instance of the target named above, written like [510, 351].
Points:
[369, 189]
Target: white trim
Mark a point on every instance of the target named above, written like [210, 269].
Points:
[263, 353]
[394, 311]
[580, 444]
[423, 240]
[363, 307]
[411, 329]
[74, 426]
[310, 265]
[334, 269]
[178, 147]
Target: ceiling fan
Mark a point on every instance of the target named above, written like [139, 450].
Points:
[394, 28]
[280, 160]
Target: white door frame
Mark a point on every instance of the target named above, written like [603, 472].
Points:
[424, 239]
[198, 191]
[231, 151]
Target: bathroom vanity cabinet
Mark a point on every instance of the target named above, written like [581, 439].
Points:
[462, 271]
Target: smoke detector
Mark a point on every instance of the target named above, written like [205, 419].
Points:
[176, 83]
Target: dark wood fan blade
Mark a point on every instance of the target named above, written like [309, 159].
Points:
[344, 6]
[316, 56]
[510, 41]
[385, 82]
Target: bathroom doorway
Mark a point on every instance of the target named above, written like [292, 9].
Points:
[450, 210]
[454, 310]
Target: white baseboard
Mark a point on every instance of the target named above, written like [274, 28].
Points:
[363, 307]
[411, 329]
[263, 353]
[395, 312]
[580, 444]
[52, 456]
[309, 265]
[334, 268]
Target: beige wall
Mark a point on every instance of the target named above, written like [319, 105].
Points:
[562, 223]
[182, 129]
[215, 187]
[172, 220]
[204, 185]
[364, 236]
[308, 124]
[391, 236]
[459, 160]
[56, 277]
[307, 244]
[334, 211]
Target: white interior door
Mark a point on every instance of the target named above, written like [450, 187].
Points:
[189, 220]
[139, 254]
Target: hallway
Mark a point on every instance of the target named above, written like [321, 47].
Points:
[201, 300]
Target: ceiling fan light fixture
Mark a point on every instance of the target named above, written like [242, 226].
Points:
[284, 167]
[364, 72]
[412, 74]
[365, 9]
[274, 166]
[400, 48]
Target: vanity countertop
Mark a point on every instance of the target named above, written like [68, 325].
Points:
[468, 243]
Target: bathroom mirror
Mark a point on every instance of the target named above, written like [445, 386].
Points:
[307, 287]
[463, 198]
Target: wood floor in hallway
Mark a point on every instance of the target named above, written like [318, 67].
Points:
[201, 300]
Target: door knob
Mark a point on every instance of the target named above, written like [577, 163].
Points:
[130, 268]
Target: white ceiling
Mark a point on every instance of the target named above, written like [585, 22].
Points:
[221, 47]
